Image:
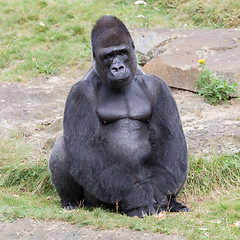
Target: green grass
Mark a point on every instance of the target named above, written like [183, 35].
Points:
[23, 166]
[213, 174]
[45, 37]
[211, 218]
[212, 191]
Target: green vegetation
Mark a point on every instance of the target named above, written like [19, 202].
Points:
[212, 191]
[214, 174]
[210, 219]
[44, 37]
[22, 167]
[214, 89]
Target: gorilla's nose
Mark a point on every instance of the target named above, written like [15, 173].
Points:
[117, 68]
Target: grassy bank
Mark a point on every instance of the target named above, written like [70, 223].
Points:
[25, 167]
[45, 37]
[212, 191]
[209, 220]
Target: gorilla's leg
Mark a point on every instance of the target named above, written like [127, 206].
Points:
[69, 191]
[134, 193]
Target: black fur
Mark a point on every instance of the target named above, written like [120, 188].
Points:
[123, 141]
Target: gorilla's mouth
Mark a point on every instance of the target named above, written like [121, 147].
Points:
[119, 83]
[120, 78]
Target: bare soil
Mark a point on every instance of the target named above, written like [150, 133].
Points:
[209, 129]
[36, 109]
[28, 229]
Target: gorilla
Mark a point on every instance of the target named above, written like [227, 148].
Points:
[122, 140]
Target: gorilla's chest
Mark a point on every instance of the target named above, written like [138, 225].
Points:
[131, 103]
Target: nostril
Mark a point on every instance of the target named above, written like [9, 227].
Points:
[114, 69]
[121, 68]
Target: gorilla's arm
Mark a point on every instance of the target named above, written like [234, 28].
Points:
[169, 162]
[89, 165]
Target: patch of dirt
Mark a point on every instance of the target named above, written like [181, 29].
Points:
[26, 229]
[36, 109]
[34, 106]
[209, 129]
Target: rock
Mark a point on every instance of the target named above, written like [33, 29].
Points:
[51, 140]
[55, 127]
[54, 130]
[35, 108]
[174, 54]
[209, 129]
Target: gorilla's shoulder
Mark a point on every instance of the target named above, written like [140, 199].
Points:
[86, 85]
[151, 82]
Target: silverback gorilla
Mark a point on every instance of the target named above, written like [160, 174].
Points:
[123, 140]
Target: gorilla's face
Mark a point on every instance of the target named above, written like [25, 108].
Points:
[115, 61]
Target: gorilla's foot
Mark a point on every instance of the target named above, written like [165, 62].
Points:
[178, 207]
[70, 204]
[141, 212]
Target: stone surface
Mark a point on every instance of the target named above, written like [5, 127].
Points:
[36, 110]
[209, 129]
[173, 54]
[27, 229]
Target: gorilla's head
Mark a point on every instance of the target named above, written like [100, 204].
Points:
[113, 52]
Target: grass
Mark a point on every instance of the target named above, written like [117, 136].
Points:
[214, 174]
[45, 37]
[23, 166]
[210, 219]
[212, 191]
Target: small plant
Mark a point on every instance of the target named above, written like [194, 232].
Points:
[45, 68]
[214, 89]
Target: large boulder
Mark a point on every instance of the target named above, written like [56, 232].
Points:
[173, 54]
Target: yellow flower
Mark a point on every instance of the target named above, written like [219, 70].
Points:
[202, 61]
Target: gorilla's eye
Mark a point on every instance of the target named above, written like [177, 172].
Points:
[123, 53]
[109, 56]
